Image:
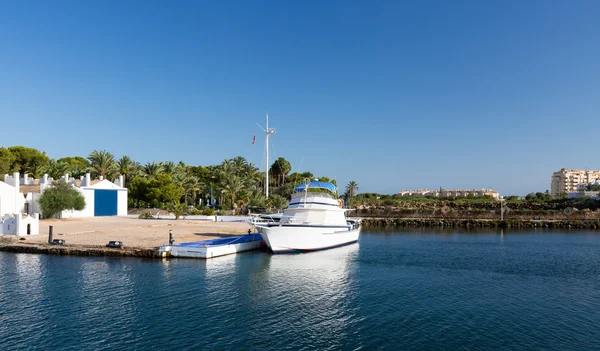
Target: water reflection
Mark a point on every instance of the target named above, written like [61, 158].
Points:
[28, 269]
[318, 287]
[107, 290]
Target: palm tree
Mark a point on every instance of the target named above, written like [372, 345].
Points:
[180, 179]
[126, 167]
[226, 168]
[57, 169]
[152, 169]
[281, 167]
[37, 171]
[252, 172]
[238, 163]
[232, 185]
[103, 162]
[351, 189]
[279, 202]
[178, 209]
[170, 168]
[191, 185]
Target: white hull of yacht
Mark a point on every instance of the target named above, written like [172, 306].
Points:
[298, 238]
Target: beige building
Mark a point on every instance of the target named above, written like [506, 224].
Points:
[450, 193]
[567, 180]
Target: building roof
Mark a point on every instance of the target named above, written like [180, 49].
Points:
[92, 182]
[35, 188]
[26, 189]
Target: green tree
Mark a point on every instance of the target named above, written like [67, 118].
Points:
[239, 164]
[59, 197]
[38, 171]
[232, 185]
[153, 169]
[307, 175]
[278, 202]
[57, 169]
[27, 158]
[138, 190]
[161, 190]
[191, 185]
[102, 162]
[126, 167]
[280, 168]
[171, 169]
[7, 160]
[351, 189]
[78, 165]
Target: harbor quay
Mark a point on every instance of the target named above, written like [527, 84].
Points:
[140, 237]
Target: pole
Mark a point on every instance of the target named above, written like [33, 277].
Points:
[267, 163]
[501, 209]
[50, 230]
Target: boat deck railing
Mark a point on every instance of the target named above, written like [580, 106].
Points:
[303, 195]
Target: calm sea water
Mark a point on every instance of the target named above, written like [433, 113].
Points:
[402, 290]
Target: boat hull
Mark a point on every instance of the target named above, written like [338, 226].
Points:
[292, 238]
[216, 247]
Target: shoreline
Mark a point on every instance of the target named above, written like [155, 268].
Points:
[480, 223]
[79, 251]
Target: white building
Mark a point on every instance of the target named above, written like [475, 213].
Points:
[584, 193]
[102, 197]
[568, 180]
[450, 193]
[15, 217]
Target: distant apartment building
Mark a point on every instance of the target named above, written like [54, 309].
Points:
[569, 180]
[450, 193]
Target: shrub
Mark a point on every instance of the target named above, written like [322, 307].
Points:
[209, 211]
[59, 197]
[146, 215]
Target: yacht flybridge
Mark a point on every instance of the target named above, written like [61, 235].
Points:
[314, 220]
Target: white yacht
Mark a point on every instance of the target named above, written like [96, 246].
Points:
[314, 220]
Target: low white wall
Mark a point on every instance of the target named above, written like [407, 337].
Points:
[122, 202]
[7, 199]
[88, 210]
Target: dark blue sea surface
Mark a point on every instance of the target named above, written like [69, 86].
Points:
[394, 291]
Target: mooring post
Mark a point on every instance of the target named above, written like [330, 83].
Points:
[171, 241]
[50, 234]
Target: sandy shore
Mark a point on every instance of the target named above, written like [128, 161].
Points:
[135, 233]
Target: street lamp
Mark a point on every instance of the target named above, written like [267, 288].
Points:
[502, 208]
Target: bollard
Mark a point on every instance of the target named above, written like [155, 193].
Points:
[50, 234]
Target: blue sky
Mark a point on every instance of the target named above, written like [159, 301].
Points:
[394, 95]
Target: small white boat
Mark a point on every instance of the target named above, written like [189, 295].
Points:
[215, 247]
[314, 220]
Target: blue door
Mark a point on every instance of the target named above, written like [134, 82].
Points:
[105, 202]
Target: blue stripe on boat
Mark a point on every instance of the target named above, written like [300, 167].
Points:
[238, 239]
